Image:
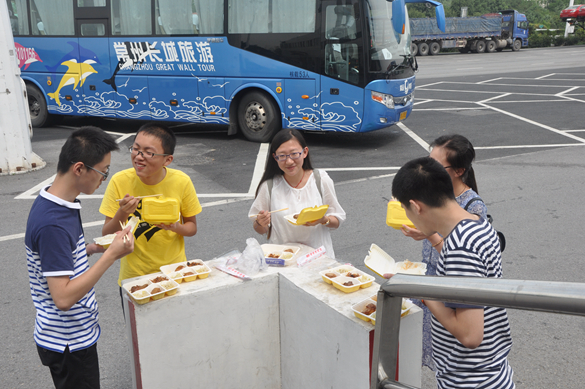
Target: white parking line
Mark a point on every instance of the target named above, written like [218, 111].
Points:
[567, 91]
[535, 123]
[495, 97]
[417, 138]
[528, 146]
[493, 79]
[259, 167]
[541, 77]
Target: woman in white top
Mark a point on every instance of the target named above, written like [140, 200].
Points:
[294, 186]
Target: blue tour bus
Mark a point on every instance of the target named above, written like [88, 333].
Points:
[255, 65]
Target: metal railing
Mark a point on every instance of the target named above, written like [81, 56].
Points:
[545, 296]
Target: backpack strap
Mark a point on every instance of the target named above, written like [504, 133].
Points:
[471, 201]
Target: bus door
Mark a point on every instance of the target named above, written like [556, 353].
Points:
[302, 101]
[94, 66]
[213, 103]
[341, 98]
[92, 27]
[175, 98]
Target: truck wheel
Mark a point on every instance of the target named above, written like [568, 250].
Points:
[423, 49]
[517, 45]
[37, 105]
[259, 117]
[414, 49]
[490, 46]
[480, 46]
[434, 48]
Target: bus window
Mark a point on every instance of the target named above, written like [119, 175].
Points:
[208, 16]
[131, 17]
[293, 16]
[52, 17]
[17, 10]
[341, 57]
[174, 17]
[93, 29]
[248, 17]
[91, 3]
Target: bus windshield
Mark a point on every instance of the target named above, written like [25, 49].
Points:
[389, 50]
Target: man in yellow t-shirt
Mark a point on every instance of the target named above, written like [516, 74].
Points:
[155, 245]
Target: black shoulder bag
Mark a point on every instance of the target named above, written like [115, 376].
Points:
[501, 236]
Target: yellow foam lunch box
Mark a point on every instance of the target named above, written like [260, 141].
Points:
[396, 216]
[160, 211]
[308, 215]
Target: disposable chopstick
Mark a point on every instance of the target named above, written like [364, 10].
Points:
[122, 225]
[141, 197]
[278, 210]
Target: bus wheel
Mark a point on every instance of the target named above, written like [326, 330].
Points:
[259, 117]
[413, 49]
[37, 105]
[490, 46]
[434, 48]
[517, 45]
[423, 49]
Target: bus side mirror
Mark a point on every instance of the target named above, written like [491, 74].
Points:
[399, 16]
[439, 11]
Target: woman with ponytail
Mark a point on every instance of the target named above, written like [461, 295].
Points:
[455, 153]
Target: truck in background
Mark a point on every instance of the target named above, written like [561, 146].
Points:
[487, 33]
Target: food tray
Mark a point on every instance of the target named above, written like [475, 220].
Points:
[284, 258]
[381, 263]
[308, 215]
[358, 309]
[186, 271]
[157, 286]
[160, 211]
[396, 216]
[106, 240]
[362, 280]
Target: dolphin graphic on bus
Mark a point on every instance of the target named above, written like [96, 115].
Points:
[77, 73]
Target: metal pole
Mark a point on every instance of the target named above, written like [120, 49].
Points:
[567, 25]
[16, 153]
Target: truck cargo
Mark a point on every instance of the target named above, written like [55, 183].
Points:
[487, 33]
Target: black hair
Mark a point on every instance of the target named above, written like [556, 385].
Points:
[460, 155]
[88, 145]
[271, 168]
[423, 179]
[165, 134]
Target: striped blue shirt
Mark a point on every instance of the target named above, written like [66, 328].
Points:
[55, 246]
[472, 249]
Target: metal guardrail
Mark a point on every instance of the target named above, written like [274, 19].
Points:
[557, 297]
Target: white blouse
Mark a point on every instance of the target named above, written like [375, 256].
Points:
[285, 196]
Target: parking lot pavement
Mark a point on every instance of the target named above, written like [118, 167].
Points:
[528, 130]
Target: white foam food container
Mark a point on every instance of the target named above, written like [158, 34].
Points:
[196, 267]
[358, 309]
[167, 287]
[340, 275]
[382, 263]
[280, 255]
[106, 240]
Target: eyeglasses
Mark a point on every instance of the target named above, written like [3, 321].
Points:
[145, 154]
[283, 157]
[104, 175]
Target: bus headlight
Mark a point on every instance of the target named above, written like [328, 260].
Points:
[404, 99]
[383, 98]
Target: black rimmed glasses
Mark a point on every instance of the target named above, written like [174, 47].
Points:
[104, 175]
[145, 154]
[283, 157]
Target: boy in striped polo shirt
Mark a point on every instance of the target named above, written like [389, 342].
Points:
[470, 343]
[61, 280]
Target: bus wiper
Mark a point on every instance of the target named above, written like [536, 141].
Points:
[410, 60]
[391, 68]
